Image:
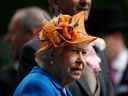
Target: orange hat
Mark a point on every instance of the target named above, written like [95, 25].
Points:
[63, 30]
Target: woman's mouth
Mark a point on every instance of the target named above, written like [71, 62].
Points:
[76, 71]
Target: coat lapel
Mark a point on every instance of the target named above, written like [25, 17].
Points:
[84, 85]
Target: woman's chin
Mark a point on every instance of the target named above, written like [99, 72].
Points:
[76, 75]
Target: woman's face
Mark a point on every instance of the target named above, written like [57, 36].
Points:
[71, 62]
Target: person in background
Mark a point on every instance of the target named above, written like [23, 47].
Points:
[61, 57]
[110, 23]
[32, 19]
[20, 30]
[21, 27]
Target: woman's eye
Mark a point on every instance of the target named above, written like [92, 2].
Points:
[75, 51]
[84, 52]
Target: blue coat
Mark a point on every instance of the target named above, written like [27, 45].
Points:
[39, 83]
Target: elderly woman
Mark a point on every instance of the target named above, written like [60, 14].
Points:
[61, 57]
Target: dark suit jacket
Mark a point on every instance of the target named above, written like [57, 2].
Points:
[122, 88]
[27, 60]
[78, 88]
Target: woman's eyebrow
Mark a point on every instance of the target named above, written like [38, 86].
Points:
[77, 48]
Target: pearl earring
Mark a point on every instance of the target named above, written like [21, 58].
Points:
[51, 62]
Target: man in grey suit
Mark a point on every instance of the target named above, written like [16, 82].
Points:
[114, 30]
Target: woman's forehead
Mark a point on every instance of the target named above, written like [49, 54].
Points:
[78, 46]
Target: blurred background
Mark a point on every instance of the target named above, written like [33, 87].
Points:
[8, 77]
[8, 8]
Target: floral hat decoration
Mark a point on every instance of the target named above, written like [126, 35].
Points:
[63, 30]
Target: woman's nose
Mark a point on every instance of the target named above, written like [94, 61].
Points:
[80, 59]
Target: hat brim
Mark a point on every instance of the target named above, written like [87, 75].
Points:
[85, 39]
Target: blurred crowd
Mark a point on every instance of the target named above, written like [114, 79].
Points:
[19, 44]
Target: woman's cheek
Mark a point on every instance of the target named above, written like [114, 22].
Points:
[69, 58]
